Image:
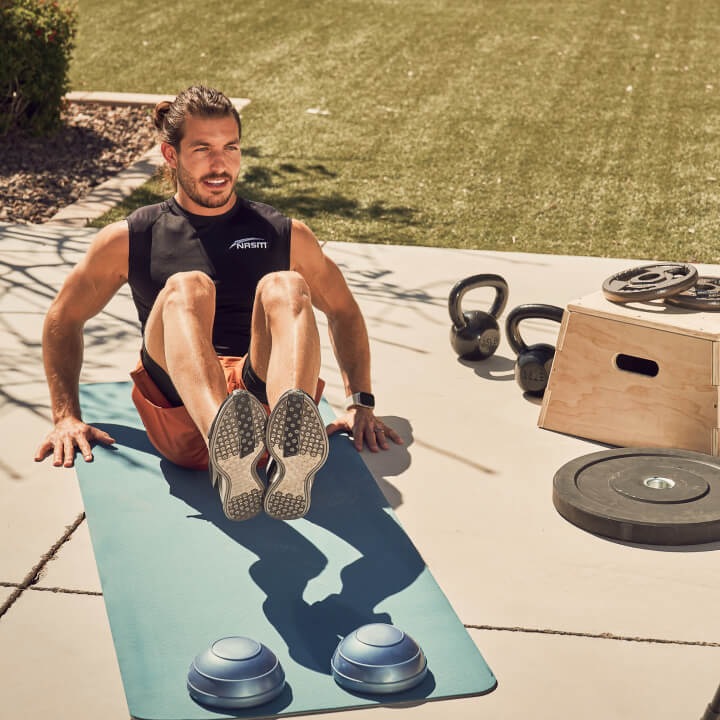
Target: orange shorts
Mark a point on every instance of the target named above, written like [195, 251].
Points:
[171, 430]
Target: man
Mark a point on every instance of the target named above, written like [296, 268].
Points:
[224, 290]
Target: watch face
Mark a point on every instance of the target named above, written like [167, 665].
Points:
[367, 399]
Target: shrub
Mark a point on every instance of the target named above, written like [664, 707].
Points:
[36, 42]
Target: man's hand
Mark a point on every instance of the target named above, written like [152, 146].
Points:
[67, 435]
[366, 429]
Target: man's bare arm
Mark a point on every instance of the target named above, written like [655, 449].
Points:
[348, 335]
[85, 292]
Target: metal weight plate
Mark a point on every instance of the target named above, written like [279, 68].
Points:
[642, 495]
[649, 282]
[704, 295]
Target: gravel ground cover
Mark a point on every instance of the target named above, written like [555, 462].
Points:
[41, 175]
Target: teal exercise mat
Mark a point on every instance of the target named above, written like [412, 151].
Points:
[177, 575]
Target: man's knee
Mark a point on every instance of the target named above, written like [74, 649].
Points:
[189, 289]
[285, 290]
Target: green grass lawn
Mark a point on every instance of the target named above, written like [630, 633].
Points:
[575, 127]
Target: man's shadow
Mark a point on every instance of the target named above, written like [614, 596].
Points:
[347, 502]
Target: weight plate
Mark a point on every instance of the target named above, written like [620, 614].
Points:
[704, 295]
[649, 282]
[642, 495]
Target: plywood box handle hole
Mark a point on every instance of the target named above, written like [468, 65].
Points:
[638, 365]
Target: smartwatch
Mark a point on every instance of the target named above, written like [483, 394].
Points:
[360, 399]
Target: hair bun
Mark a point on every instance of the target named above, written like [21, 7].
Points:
[159, 113]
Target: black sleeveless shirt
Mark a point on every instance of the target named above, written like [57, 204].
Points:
[235, 249]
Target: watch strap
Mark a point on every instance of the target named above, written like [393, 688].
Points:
[360, 399]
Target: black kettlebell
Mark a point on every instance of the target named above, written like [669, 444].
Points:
[475, 335]
[532, 368]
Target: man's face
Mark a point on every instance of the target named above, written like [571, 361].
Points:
[207, 164]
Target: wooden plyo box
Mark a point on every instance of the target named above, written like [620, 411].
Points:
[636, 375]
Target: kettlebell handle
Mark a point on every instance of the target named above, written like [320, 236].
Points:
[525, 312]
[470, 283]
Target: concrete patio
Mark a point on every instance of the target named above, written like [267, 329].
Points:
[572, 625]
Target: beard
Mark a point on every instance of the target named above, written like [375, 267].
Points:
[204, 198]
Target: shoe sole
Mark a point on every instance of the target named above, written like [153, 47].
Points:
[298, 443]
[236, 446]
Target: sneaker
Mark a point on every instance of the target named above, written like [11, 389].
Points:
[298, 445]
[236, 445]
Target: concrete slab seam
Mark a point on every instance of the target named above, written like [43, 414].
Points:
[32, 577]
[594, 636]
[65, 591]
